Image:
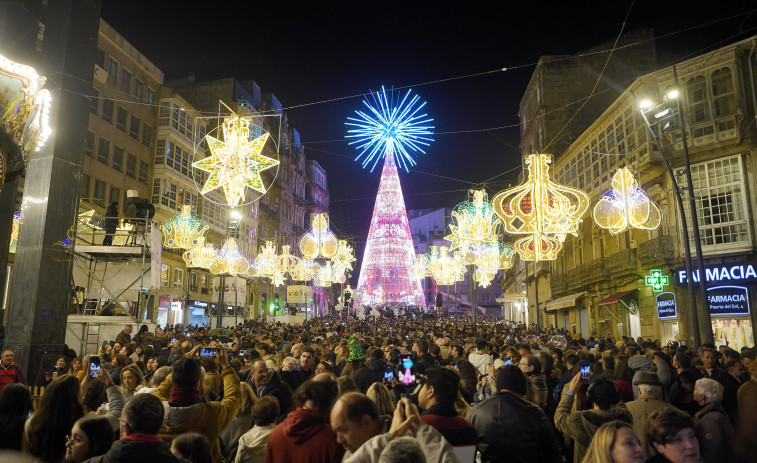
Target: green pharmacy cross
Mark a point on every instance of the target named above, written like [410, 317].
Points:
[657, 280]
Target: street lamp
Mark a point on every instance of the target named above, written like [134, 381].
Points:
[665, 115]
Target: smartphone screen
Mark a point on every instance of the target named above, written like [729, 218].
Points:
[508, 361]
[388, 375]
[453, 365]
[207, 352]
[406, 373]
[94, 367]
[491, 359]
[585, 371]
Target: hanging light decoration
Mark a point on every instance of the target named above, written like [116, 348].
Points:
[319, 241]
[14, 228]
[287, 261]
[200, 257]
[303, 271]
[475, 223]
[325, 275]
[421, 268]
[626, 206]
[445, 269]
[267, 262]
[236, 162]
[541, 209]
[345, 256]
[184, 230]
[229, 260]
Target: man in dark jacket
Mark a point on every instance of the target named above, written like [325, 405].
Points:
[111, 223]
[425, 359]
[294, 375]
[266, 382]
[437, 400]
[140, 422]
[371, 372]
[511, 429]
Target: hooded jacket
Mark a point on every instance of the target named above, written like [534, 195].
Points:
[253, 443]
[303, 437]
[583, 424]
[371, 372]
[480, 361]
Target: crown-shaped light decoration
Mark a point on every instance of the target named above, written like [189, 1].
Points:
[541, 209]
[267, 262]
[184, 230]
[445, 269]
[303, 271]
[319, 241]
[421, 267]
[476, 223]
[201, 256]
[229, 260]
[286, 260]
[235, 163]
[626, 206]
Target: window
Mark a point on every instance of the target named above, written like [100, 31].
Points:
[160, 151]
[103, 151]
[115, 194]
[131, 165]
[150, 99]
[125, 81]
[193, 281]
[204, 284]
[175, 117]
[118, 158]
[94, 102]
[155, 191]
[134, 127]
[724, 100]
[84, 186]
[98, 195]
[696, 97]
[164, 115]
[108, 110]
[147, 135]
[178, 278]
[89, 144]
[165, 271]
[144, 171]
[121, 119]
[100, 58]
[721, 205]
[112, 71]
[139, 88]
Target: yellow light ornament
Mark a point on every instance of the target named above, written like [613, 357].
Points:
[14, 230]
[229, 260]
[235, 163]
[319, 241]
[267, 262]
[287, 261]
[541, 209]
[200, 257]
[184, 231]
[626, 206]
[476, 223]
[303, 271]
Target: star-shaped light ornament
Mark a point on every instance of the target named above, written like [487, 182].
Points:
[626, 206]
[235, 163]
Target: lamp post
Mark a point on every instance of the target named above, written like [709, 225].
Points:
[664, 112]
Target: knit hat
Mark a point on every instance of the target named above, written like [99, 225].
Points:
[647, 377]
[356, 352]
[640, 362]
[512, 378]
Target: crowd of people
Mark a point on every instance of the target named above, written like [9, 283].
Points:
[389, 389]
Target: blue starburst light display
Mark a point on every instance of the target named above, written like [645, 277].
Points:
[390, 126]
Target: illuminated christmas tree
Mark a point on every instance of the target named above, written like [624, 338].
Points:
[390, 129]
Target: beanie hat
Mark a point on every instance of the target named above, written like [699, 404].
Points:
[510, 377]
[356, 352]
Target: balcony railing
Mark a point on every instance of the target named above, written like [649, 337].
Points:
[593, 271]
[656, 251]
[623, 261]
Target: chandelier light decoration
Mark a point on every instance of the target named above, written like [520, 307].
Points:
[287, 261]
[267, 261]
[393, 129]
[541, 209]
[303, 271]
[626, 206]
[319, 241]
[229, 261]
[184, 231]
[445, 268]
[235, 163]
[201, 256]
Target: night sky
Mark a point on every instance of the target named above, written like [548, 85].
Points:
[450, 53]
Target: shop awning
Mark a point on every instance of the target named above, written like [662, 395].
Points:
[563, 302]
[615, 298]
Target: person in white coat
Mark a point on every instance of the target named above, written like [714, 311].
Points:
[252, 444]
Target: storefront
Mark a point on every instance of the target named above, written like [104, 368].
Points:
[729, 289]
[198, 312]
[170, 311]
[667, 313]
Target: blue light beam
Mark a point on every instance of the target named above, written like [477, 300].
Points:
[390, 126]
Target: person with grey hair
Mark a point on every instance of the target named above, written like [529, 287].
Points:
[155, 380]
[403, 450]
[648, 387]
[711, 423]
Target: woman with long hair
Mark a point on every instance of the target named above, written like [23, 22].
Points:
[132, 380]
[468, 380]
[90, 436]
[615, 442]
[119, 361]
[379, 394]
[58, 410]
[15, 409]
[624, 377]
[239, 425]
[77, 368]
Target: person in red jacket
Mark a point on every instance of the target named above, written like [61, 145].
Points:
[305, 435]
[10, 372]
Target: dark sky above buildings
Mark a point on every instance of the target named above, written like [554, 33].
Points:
[316, 57]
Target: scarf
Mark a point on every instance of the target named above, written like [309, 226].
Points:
[184, 396]
[142, 437]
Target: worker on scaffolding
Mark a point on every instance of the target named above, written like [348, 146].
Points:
[111, 222]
